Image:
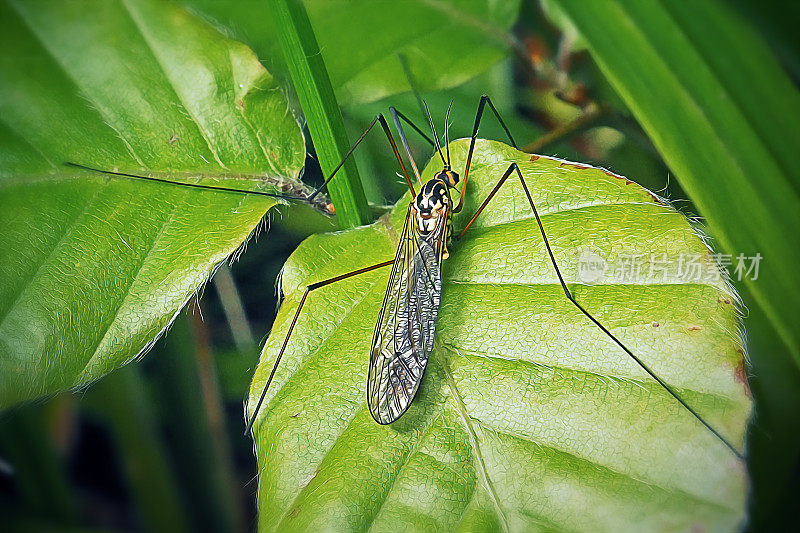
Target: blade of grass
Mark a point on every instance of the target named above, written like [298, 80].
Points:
[233, 308]
[123, 399]
[191, 411]
[27, 445]
[314, 90]
[721, 112]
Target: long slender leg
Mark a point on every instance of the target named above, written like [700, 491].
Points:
[396, 117]
[413, 126]
[182, 184]
[308, 289]
[514, 168]
[481, 105]
[378, 118]
[411, 82]
[310, 199]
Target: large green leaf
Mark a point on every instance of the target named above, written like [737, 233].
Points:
[445, 43]
[722, 113]
[529, 417]
[95, 268]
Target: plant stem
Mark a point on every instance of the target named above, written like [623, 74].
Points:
[234, 309]
[584, 122]
[315, 92]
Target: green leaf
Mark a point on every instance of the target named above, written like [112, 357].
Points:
[722, 113]
[445, 42]
[528, 417]
[95, 268]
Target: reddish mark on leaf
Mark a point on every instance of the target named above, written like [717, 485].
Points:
[723, 300]
[172, 140]
[615, 175]
[294, 512]
[740, 374]
[579, 166]
[655, 324]
[607, 172]
[694, 328]
[240, 103]
[628, 182]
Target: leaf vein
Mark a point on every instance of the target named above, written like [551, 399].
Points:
[204, 132]
[485, 478]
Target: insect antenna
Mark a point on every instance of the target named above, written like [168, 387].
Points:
[414, 127]
[435, 137]
[417, 97]
[446, 133]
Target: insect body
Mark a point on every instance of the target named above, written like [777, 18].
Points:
[407, 323]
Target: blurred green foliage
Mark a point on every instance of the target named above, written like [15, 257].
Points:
[158, 445]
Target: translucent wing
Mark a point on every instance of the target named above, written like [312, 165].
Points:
[406, 326]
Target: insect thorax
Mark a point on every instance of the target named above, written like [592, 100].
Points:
[431, 208]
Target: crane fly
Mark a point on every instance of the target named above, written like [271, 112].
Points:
[406, 324]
